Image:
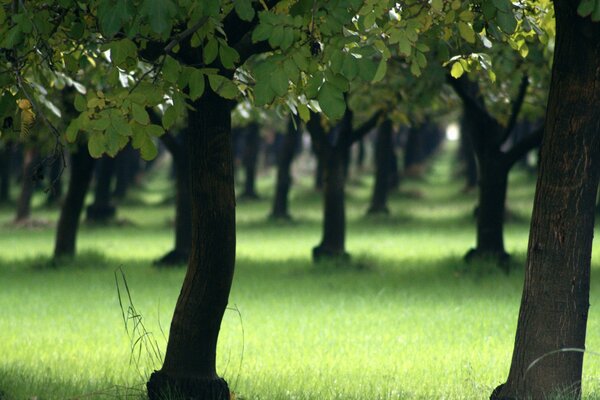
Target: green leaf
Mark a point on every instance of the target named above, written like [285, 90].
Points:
[171, 69]
[263, 94]
[506, 21]
[223, 86]
[96, 144]
[72, 131]
[291, 70]
[121, 50]
[110, 21]
[148, 149]
[303, 111]
[155, 130]
[2, 15]
[276, 37]
[466, 32]
[228, 55]
[457, 70]
[381, 71]
[262, 32]
[364, 67]
[279, 82]
[140, 115]
[288, 38]
[169, 117]
[80, 103]
[586, 7]
[404, 45]
[210, 51]
[244, 9]
[437, 5]
[119, 123]
[159, 13]
[331, 100]
[196, 84]
[596, 13]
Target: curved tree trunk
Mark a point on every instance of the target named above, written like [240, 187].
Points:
[555, 302]
[284, 178]
[189, 366]
[383, 166]
[82, 168]
[27, 185]
[250, 160]
[183, 202]
[102, 210]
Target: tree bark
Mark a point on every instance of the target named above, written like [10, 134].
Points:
[383, 167]
[189, 366]
[250, 160]
[126, 167]
[555, 302]
[82, 168]
[55, 192]
[27, 185]
[5, 172]
[183, 201]
[280, 208]
[102, 210]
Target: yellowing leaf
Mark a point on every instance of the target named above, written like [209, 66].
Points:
[457, 70]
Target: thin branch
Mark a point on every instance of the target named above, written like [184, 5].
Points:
[185, 34]
[517, 105]
[526, 144]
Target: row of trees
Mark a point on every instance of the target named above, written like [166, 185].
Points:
[190, 62]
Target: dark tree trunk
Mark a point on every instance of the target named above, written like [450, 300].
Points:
[250, 160]
[55, 191]
[126, 168]
[5, 172]
[183, 201]
[30, 158]
[554, 306]
[383, 161]
[394, 168]
[413, 152]
[189, 366]
[318, 167]
[467, 156]
[284, 178]
[102, 210]
[361, 155]
[334, 212]
[490, 212]
[82, 168]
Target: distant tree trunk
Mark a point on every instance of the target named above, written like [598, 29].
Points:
[30, 159]
[5, 172]
[555, 302]
[102, 210]
[467, 156]
[126, 167]
[81, 168]
[413, 152]
[384, 149]
[183, 201]
[360, 157]
[189, 366]
[284, 177]
[56, 188]
[395, 175]
[250, 160]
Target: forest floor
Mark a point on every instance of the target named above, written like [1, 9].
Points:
[405, 319]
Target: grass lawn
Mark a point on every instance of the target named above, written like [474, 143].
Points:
[405, 320]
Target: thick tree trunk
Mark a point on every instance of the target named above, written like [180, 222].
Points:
[383, 167]
[126, 167]
[250, 160]
[183, 204]
[467, 156]
[5, 172]
[27, 185]
[102, 210]
[334, 213]
[492, 184]
[284, 177]
[82, 167]
[189, 366]
[554, 306]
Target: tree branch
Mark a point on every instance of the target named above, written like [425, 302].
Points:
[517, 105]
[533, 140]
[365, 128]
[185, 34]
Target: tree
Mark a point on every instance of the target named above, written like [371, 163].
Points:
[384, 153]
[550, 338]
[280, 209]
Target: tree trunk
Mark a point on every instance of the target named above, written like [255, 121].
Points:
[189, 366]
[126, 167]
[102, 210]
[82, 167]
[334, 214]
[250, 160]
[555, 302]
[383, 166]
[467, 156]
[27, 185]
[56, 189]
[493, 183]
[284, 178]
[183, 204]
[5, 172]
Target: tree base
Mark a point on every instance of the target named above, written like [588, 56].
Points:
[496, 394]
[280, 216]
[378, 210]
[320, 253]
[161, 386]
[501, 258]
[173, 258]
[100, 213]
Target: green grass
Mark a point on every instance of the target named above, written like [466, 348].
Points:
[405, 320]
